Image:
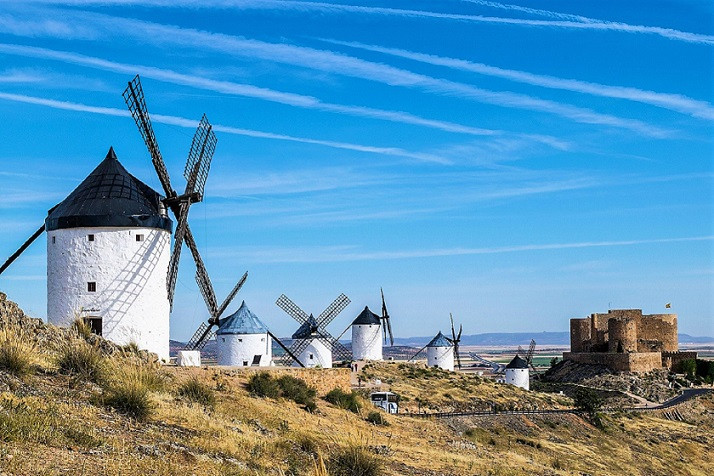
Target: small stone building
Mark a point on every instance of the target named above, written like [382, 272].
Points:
[626, 340]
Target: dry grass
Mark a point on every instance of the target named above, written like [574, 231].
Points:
[242, 434]
[17, 351]
[85, 361]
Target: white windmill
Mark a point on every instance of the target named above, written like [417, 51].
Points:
[243, 340]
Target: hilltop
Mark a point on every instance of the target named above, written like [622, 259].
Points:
[205, 421]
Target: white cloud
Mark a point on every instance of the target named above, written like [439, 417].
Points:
[674, 102]
[332, 62]
[190, 123]
[561, 20]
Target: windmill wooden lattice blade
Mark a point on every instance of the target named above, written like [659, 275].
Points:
[292, 309]
[22, 248]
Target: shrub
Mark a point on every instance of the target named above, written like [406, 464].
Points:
[355, 460]
[298, 391]
[198, 392]
[345, 400]
[263, 384]
[17, 352]
[377, 418]
[128, 392]
[83, 360]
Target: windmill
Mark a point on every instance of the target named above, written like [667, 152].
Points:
[528, 356]
[314, 330]
[455, 339]
[196, 170]
[386, 324]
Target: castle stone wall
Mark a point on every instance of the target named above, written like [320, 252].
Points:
[657, 333]
[622, 334]
[633, 362]
[580, 335]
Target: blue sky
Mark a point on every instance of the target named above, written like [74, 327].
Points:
[514, 164]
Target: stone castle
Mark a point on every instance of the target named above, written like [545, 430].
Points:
[626, 340]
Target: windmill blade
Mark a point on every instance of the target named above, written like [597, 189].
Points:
[285, 348]
[296, 348]
[199, 159]
[419, 352]
[456, 352]
[339, 351]
[521, 351]
[135, 101]
[202, 279]
[176, 252]
[292, 309]
[232, 294]
[201, 336]
[453, 332]
[386, 320]
[332, 310]
[22, 248]
[531, 350]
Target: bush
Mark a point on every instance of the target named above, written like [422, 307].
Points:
[345, 400]
[128, 392]
[198, 392]
[355, 460]
[17, 352]
[263, 384]
[377, 418]
[81, 327]
[298, 391]
[83, 360]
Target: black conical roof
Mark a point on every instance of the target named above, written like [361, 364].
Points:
[366, 317]
[306, 329]
[110, 196]
[517, 363]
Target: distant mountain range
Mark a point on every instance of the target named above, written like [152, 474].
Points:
[524, 338]
[486, 339]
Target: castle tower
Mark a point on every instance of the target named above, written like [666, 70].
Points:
[366, 336]
[440, 353]
[243, 340]
[108, 248]
[622, 334]
[517, 373]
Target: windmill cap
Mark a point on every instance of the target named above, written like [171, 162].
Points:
[243, 321]
[517, 363]
[366, 317]
[440, 340]
[110, 197]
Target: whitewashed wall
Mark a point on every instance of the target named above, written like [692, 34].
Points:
[322, 355]
[367, 342]
[518, 377]
[235, 349]
[131, 292]
[442, 357]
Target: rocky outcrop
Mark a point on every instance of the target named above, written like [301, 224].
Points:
[47, 336]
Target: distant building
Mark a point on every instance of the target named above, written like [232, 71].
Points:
[243, 341]
[440, 353]
[626, 340]
[517, 373]
[367, 336]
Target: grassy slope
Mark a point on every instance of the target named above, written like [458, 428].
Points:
[247, 435]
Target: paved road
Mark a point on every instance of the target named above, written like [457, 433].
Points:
[686, 395]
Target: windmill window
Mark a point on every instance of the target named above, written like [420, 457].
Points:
[223, 339]
[90, 237]
[240, 340]
[245, 363]
[139, 237]
[54, 239]
[92, 286]
[262, 339]
[312, 356]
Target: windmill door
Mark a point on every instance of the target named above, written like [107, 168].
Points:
[256, 360]
[95, 324]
